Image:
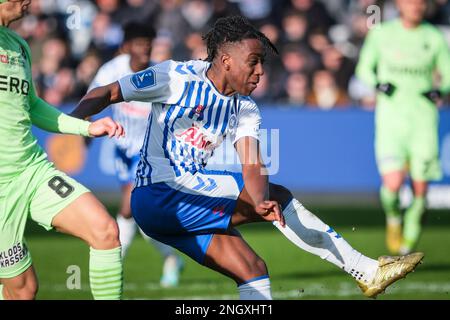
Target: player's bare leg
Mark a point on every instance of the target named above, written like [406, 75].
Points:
[87, 219]
[230, 255]
[413, 219]
[21, 287]
[389, 196]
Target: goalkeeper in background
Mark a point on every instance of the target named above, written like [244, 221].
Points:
[399, 58]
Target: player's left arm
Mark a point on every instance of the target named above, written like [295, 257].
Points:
[254, 173]
[443, 65]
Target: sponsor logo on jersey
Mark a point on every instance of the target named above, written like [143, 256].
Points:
[144, 79]
[14, 85]
[199, 109]
[194, 137]
[13, 60]
[13, 255]
[4, 58]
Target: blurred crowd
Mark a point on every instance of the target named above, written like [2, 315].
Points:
[318, 41]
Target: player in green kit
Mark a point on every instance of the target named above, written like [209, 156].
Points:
[399, 58]
[31, 186]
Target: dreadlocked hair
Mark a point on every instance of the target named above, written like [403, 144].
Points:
[233, 29]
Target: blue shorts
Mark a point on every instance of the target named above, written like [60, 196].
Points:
[186, 215]
[125, 166]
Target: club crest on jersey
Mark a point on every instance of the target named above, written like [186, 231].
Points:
[232, 122]
[144, 79]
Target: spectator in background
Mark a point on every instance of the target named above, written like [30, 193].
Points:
[197, 13]
[106, 35]
[296, 90]
[296, 59]
[196, 49]
[318, 41]
[85, 72]
[223, 8]
[111, 8]
[316, 13]
[171, 23]
[62, 90]
[54, 56]
[295, 27]
[256, 10]
[439, 12]
[143, 11]
[161, 50]
[341, 67]
[325, 93]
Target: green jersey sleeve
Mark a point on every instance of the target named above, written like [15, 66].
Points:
[443, 64]
[48, 118]
[368, 59]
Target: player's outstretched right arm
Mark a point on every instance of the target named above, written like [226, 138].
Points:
[98, 99]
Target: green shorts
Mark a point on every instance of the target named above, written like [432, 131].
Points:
[40, 192]
[413, 147]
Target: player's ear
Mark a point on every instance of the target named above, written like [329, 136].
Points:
[225, 60]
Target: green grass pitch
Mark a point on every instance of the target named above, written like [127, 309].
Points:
[294, 273]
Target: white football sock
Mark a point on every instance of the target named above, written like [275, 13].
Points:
[163, 249]
[127, 230]
[309, 233]
[255, 289]
[1, 292]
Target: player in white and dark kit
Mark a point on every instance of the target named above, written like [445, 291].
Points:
[133, 115]
[195, 105]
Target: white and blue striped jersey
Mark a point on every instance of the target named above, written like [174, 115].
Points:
[132, 115]
[189, 119]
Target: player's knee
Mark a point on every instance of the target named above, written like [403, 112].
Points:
[106, 234]
[261, 268]
[27, 291]
[280, 194]
[255, 268]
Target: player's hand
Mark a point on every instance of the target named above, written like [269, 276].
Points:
[386, 88]
[270, 211]
[433, 95]
[106, 126]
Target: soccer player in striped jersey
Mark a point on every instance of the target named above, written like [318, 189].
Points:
[31, 186]
[177, 201]
[133, 117]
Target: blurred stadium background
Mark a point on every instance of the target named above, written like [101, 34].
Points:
[310, 101]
